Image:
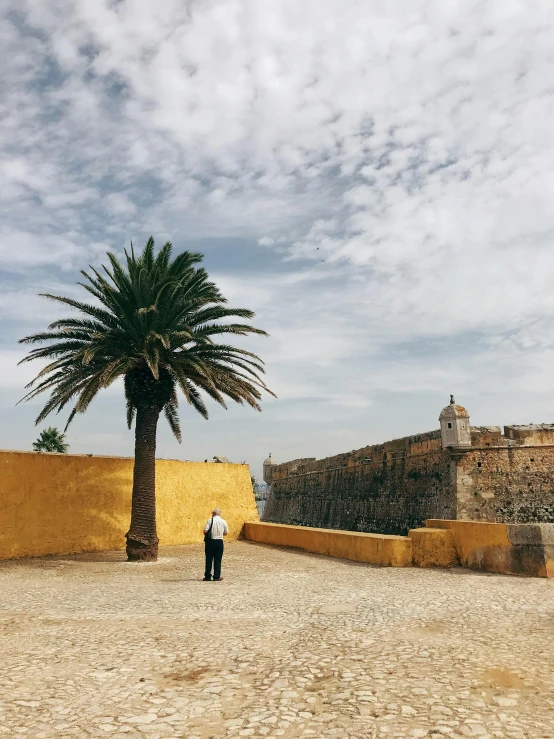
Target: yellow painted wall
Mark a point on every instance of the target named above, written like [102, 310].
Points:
[377, 549]
[433, 547]
[479, 542]
[67, 503]
[473, 544]
[512, 549]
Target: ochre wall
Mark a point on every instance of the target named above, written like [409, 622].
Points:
[433, 547]
[512, 549]
[376, 549]
[65, 503]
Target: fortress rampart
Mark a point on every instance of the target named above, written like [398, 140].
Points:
[486, 475]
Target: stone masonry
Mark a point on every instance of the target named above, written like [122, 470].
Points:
[393, 487]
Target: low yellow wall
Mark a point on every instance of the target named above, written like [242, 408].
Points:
[377, 549]
[476, 536]
[433, 548]
[512, 549]
[518, 549]
[66, 503]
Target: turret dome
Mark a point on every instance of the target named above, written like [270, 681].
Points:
[269, 463]
[453, 410]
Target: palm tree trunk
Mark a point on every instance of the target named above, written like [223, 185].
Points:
[142, 537]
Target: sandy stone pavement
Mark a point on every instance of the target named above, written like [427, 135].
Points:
[288, 645]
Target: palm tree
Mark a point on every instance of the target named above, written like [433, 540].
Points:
[152, 323]
[51, 440]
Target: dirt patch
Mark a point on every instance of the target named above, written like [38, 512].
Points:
[500, 678]
[189, 676]
[10, 626]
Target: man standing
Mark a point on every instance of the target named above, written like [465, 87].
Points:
[214, 531]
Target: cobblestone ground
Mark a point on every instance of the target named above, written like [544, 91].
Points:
[289, 645]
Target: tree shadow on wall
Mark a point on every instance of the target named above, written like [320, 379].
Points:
[76, 507]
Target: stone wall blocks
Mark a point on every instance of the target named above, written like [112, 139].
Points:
[530, 534]
[546, 534]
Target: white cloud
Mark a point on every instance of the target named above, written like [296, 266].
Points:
[394, 159]
[11, 376]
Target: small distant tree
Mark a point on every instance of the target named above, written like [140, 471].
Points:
[51, 440]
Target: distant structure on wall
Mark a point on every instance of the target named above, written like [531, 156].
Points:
[269, 463]
[458, 471]
[455, 430]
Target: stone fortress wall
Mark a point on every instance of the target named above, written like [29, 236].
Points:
[506, 478]
[390, 488]
[387, 488]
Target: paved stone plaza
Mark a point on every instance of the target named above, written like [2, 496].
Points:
[289, 645]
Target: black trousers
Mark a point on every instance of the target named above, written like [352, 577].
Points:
[214, 553]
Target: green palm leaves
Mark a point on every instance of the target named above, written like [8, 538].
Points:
[159, 323]
[51, 440]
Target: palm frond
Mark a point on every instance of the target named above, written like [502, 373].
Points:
[155, 320]
[172, 415]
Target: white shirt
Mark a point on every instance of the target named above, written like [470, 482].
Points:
[218, 529]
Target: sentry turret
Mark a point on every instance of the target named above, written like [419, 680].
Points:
[269, 463]
[455, 429]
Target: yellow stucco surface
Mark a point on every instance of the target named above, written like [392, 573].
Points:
[479, 545]
[433, 547]
[442, 543]
[483, 546]
[377, 549]
[62, 503]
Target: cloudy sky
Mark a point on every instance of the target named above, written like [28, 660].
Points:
[375, 179]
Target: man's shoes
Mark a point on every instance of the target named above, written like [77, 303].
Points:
[219, 579]
[206, 579]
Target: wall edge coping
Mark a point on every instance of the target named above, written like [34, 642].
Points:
[458, 450]
[365, 534]
[113, 456]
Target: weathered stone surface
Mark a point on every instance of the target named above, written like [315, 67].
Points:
[516, 549]
[508, 485]
[393, 487]
[95, 647]
[387, 488]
